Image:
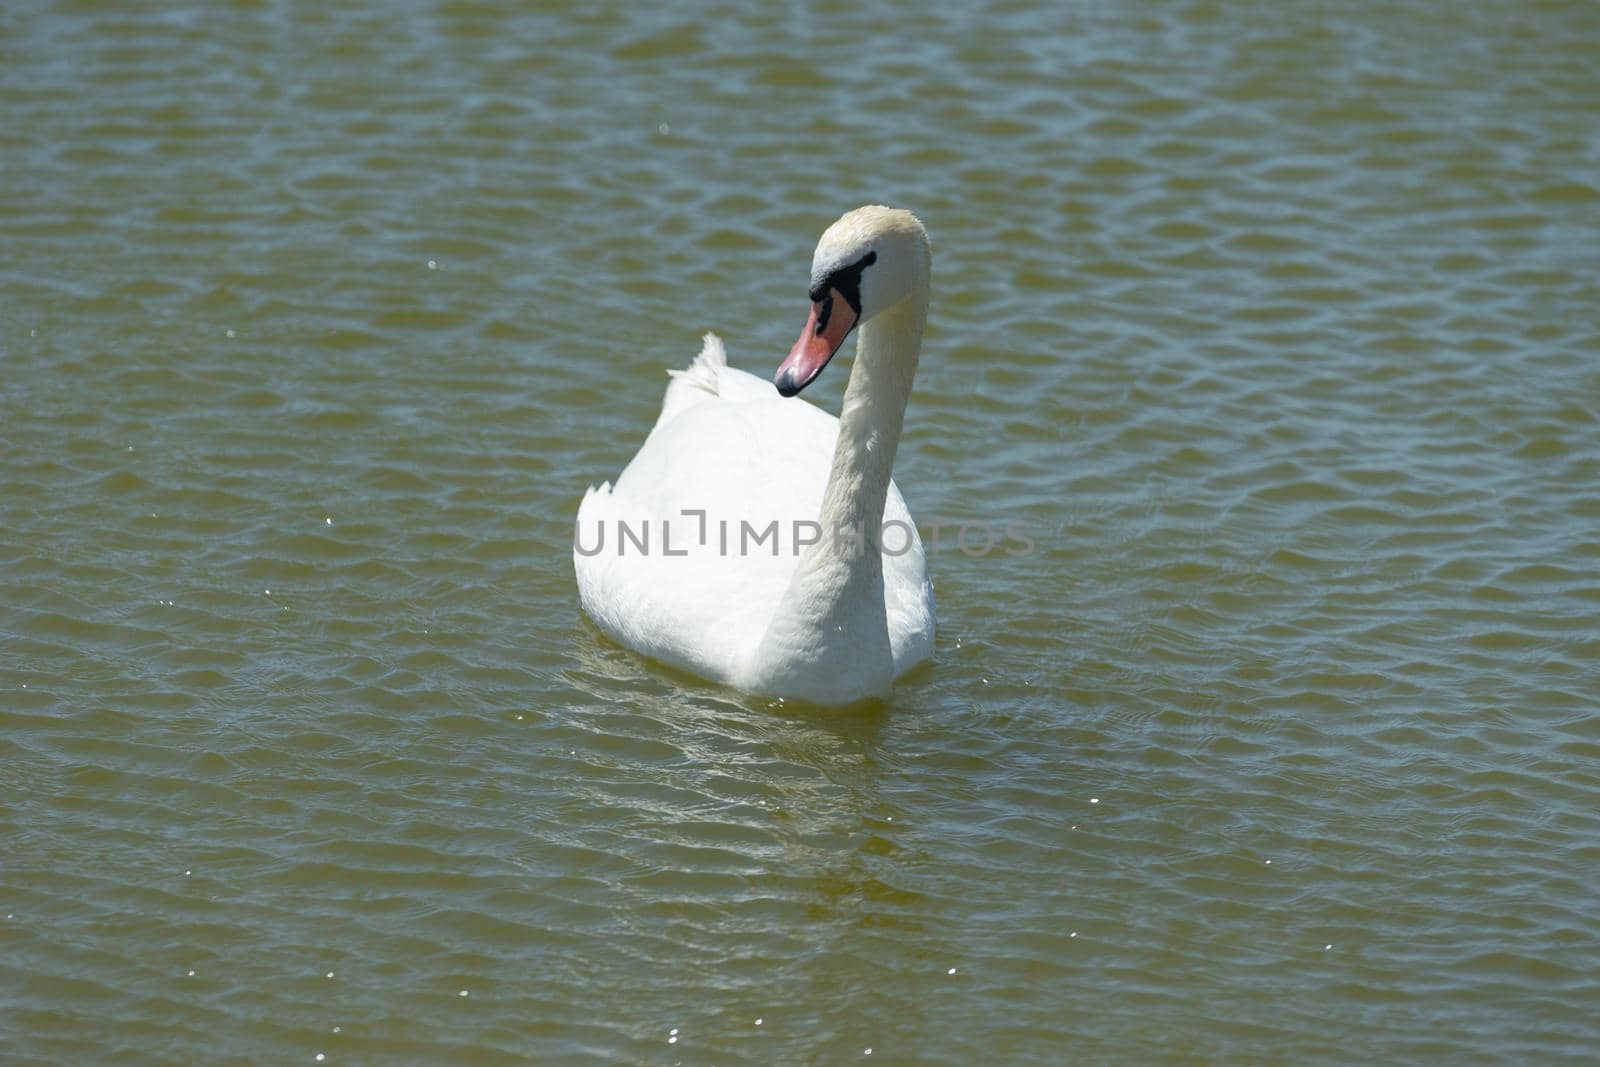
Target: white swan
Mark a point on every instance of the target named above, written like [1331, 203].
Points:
[680, 559]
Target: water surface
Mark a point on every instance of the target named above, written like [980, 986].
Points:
[1274, 324]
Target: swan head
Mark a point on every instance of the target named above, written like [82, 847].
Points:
[867, 262]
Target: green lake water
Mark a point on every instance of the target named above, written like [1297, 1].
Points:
[1276, 328]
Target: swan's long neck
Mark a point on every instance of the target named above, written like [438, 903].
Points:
[833, 609]
[869, 425]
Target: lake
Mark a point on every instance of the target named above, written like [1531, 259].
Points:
[1274, 330]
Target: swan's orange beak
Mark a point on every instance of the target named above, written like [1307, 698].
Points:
[831, 320]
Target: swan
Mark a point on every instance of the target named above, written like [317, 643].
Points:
[754, 539]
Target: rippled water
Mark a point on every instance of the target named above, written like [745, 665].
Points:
[1274, 325]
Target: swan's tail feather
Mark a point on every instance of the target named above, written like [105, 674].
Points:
[702, 373]
[697, 382]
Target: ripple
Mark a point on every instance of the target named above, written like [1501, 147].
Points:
[1286, 369]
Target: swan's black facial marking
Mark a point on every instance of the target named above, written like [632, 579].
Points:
[825, 313]
[847, 281]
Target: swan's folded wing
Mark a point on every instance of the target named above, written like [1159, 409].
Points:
[681, 558]
[907, 589]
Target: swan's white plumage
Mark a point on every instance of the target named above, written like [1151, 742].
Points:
[727, 444]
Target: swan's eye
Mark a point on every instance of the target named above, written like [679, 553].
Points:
[847, 280]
